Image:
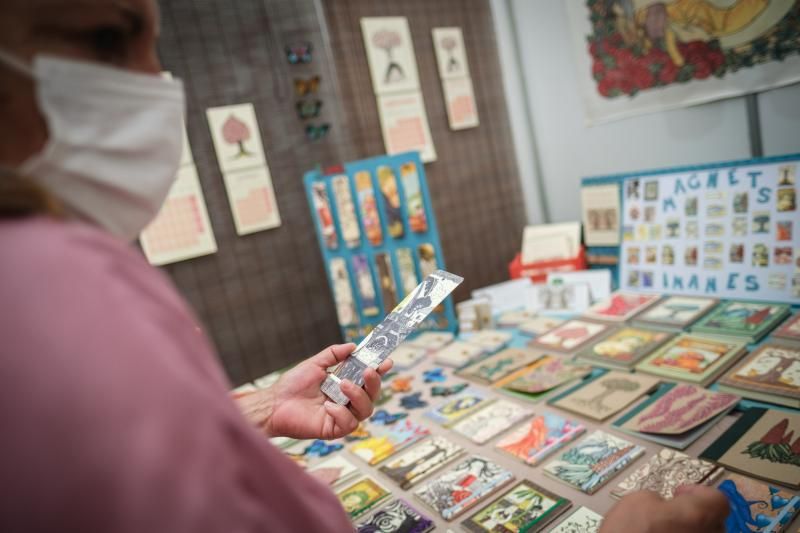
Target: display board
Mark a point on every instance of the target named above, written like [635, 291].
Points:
[725, 230]
[377, 233]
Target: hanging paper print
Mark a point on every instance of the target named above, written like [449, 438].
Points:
[386, 277]
[391, 201]
[416, 208]
[427, 259]
[343, 292]
[366, 286]
[408, 274]
[348, 222]
[369, 208]
[323, 207]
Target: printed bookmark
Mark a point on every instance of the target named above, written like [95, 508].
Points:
[427, 259]
[386, 277]
[413, 194]
[393, 330]
[408, 274]
[391, 202]
[348, 221]
[369, 208]
[322, 205]
[365, 285]
[343, 292]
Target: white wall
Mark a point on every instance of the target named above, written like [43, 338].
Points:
[780, 120]
[567, 150]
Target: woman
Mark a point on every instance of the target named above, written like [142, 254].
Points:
[115, 416]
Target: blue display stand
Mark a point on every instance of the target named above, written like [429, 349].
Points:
[443, 318]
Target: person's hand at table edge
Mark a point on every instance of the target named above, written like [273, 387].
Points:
[296, 407]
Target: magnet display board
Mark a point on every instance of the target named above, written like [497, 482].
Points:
[377, 233]
[728, 230]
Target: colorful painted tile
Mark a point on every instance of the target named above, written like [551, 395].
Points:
[458, 489]
[692, 358]
[459, 406]
[770, 373]
[570, 336]
[525, 507]
[764, 443]
[409, 467]
[486, 423]
[396, 516]
[361, 496]
[385, 441]
[606, 395]
[593, 461]
[502, 364]
[536, 439]
[758, 507]
[624, 347]
[584, 520]
[621, 306]
[664, 472]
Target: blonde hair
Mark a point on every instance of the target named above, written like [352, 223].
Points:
[21, 197]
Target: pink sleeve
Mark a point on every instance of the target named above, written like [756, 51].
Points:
[114, 414]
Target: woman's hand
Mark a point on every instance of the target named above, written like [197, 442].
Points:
[694, 509]
[296, 407]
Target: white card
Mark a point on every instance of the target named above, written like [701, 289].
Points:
[506, 296]
[432, 340]
[237, 139]
[451, 56]
[571, 298]
[459, 99]
[390, 53]
[458, 354]
[252, 200]
[404, 124]
[599, 281]
[551, 242]
[182, 229]
[601, 214]
[407, 355]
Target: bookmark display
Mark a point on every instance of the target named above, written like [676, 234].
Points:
[387, 335]
[416, 208]
[427, 258]
[369, 208]
[377, 216]
[348, 222]
[366, 286]
[322, 206]
[391, 201]
[408, 274]
[386, 279]
[343, 292]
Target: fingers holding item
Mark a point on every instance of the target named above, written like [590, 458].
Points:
[333, 355]
[360, 402]
[343, 421]
[372, 384]
[385, 367]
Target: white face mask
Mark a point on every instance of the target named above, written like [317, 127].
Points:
[115, 140]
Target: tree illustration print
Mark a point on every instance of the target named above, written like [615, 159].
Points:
[235, 131]
[450, 44]
[610, 386]
[388, 40]
[776, 445]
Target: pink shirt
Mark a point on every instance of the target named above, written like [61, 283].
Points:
[114, 414]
